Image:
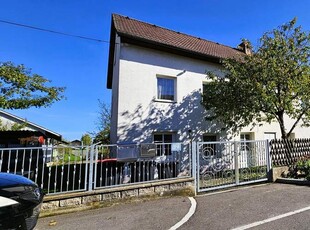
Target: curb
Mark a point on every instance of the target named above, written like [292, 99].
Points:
[293, 181]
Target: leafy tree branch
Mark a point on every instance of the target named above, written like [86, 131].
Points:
[265, 86]
[20, 89]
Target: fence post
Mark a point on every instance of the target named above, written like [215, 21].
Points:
[91, 168]
[236, 162]
[96, 165]
[194, 164]
[268, 160]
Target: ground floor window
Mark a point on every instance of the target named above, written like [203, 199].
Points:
[244, 138]
[209, 149]
[163, 141]
[270, 135]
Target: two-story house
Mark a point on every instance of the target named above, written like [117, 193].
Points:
[157, 76]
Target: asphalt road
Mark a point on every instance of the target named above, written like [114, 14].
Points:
[248, 205]
[154, 214]
[258, 207]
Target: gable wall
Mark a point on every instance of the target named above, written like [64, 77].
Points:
[115, 92]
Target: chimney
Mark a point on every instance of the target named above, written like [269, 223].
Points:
[245, 46]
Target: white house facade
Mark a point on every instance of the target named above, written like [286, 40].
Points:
[157, 76]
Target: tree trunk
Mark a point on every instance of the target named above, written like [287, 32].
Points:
[282, 126]
[284, 136]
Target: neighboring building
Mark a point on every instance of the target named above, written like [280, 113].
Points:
[30, 134]
[157, 76]
[76, 143]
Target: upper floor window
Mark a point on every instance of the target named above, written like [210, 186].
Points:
[204, 88]
[166, 89]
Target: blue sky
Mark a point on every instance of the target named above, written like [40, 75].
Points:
[81, 65]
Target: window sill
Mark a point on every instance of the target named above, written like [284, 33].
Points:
[164, 101]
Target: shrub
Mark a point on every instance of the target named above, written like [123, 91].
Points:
[301, 168]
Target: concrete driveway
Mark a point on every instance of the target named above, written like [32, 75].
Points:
[269, 206]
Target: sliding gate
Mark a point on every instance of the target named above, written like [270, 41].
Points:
[226, 164]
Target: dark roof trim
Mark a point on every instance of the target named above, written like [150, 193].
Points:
[111, 55]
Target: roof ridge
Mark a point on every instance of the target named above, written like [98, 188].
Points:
[199, 38]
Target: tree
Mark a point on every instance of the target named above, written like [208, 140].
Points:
[20, 89]
[271, 83]
[86, 139]
[103, 124]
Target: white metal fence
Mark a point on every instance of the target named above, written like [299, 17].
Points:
[71, 169]
[226, 164]
[138, 163]
[54, 169]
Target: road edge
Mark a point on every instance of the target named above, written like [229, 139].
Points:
[189, 214]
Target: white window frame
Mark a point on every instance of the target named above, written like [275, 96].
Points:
[211, 149]
[204, 83]
[162, 148]
[174, 88]
[246, 145]
[173, 134]
[271, 133]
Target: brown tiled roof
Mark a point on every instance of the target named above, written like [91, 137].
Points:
[146, 32]
[152, 36]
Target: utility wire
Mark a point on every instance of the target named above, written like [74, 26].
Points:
[53, 31]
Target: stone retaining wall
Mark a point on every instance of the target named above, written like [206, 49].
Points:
[276, 172]
[56, 204]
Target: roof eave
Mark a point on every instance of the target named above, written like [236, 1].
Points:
[125, 38]
[167, 48]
